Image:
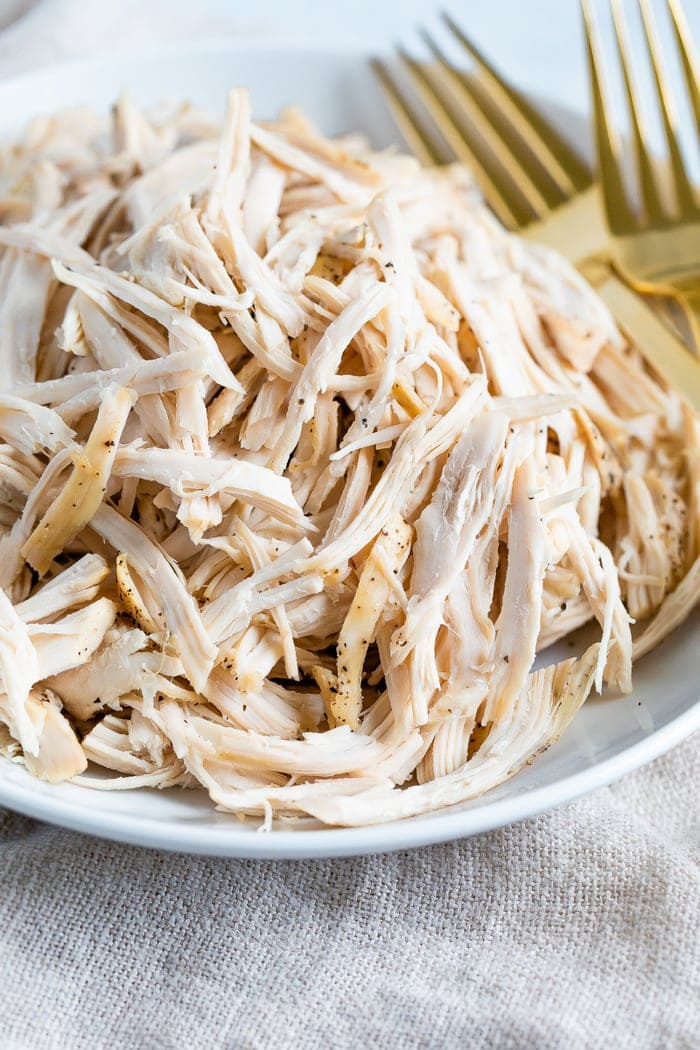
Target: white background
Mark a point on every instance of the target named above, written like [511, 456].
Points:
[537, 42]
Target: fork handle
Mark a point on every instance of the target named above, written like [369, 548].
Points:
[663, 350]
[689, 302]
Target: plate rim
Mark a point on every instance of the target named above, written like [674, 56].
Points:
[177, 48]
[450, 824]
[447, 825]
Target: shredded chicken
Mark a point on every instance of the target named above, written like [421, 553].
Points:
[303, 459]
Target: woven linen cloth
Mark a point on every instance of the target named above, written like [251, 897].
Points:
[578, 929]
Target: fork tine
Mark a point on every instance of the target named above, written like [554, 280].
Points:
[619, 214]
[420, 144]
[509, 210]
[651, 199]
[542, 193]
[462, 100]
[684, 191]
[551, 149]
[688, 59]
[424, 146]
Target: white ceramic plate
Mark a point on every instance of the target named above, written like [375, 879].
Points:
[610, 736]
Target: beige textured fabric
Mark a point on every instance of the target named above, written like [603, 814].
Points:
[576, 930]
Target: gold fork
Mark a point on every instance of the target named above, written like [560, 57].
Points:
[656, 249]
[530, 177]
[526, 170]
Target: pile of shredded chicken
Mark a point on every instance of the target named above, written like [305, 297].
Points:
[303, 458]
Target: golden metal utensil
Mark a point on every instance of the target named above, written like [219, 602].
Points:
[655, 248]
[530, 177]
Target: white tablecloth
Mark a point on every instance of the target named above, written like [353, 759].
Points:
[578, 929]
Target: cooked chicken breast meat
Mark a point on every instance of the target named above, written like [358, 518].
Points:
[303, 459]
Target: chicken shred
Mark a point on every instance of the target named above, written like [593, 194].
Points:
[303, 458]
